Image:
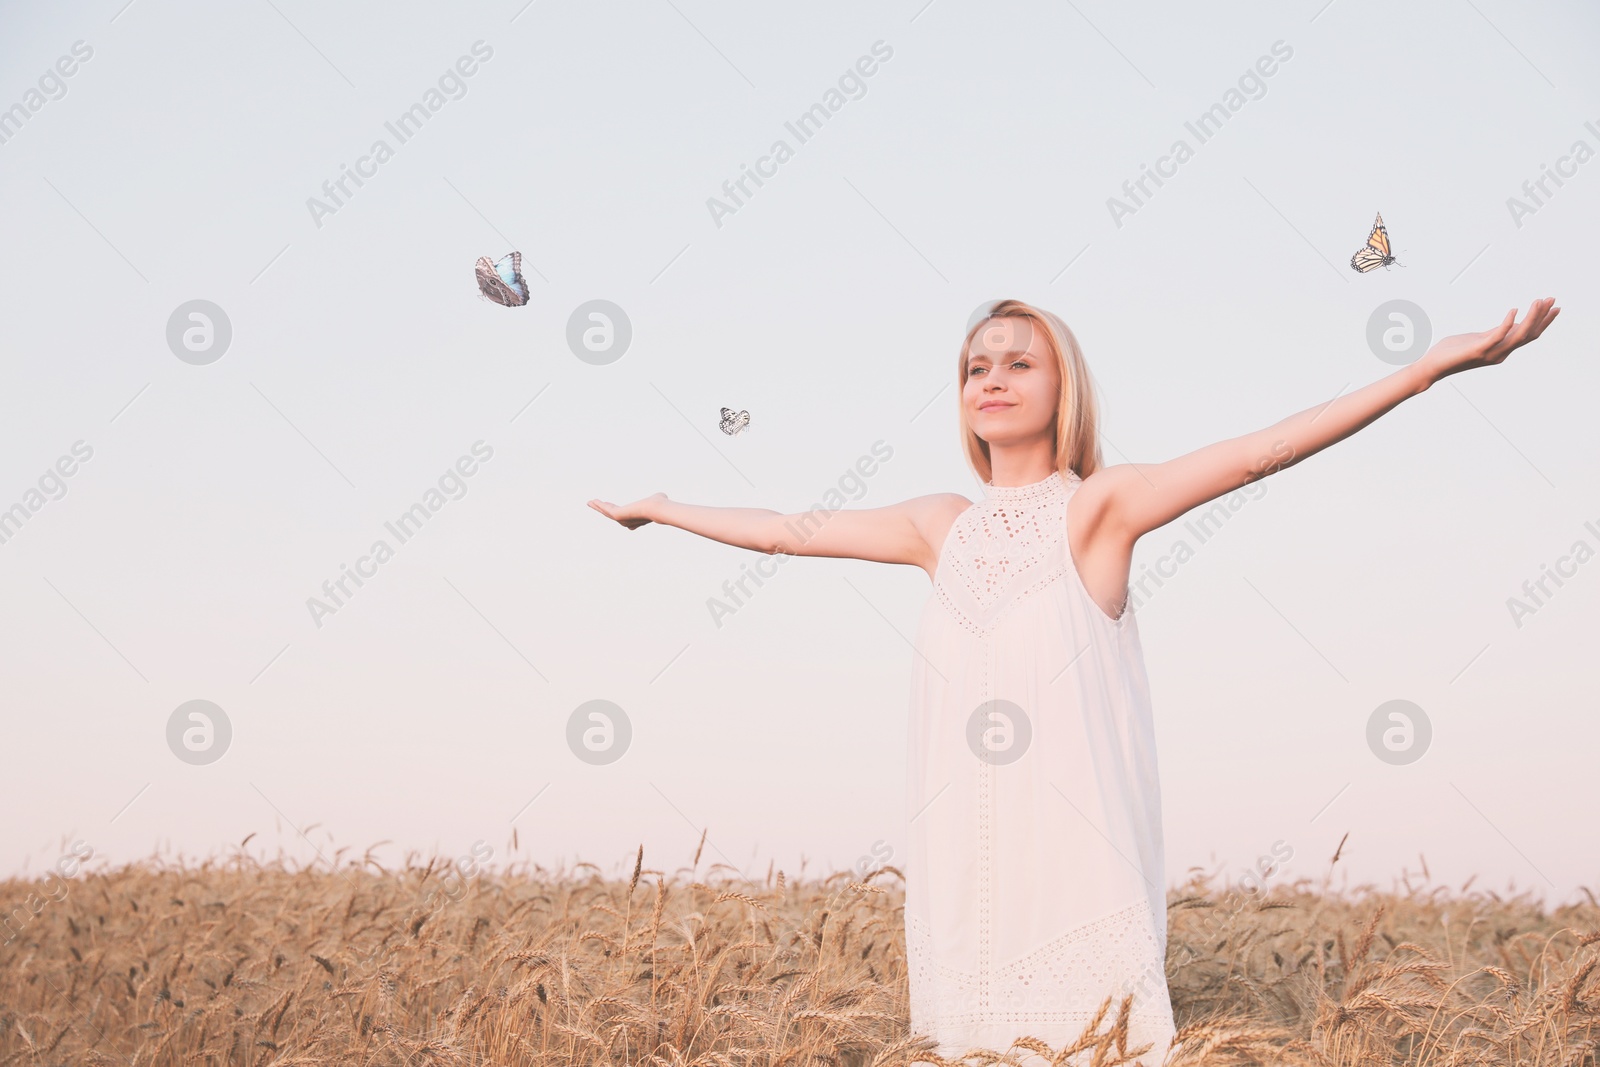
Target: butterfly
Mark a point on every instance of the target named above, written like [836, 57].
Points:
[1375, 253]
[502, 282]
[734, 421]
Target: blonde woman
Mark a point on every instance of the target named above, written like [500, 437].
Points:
[1035, 879]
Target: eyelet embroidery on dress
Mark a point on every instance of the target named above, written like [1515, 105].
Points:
[1004, 541]
[985, 816]
[1082, 966]
[1003, 550]
[1000, 552]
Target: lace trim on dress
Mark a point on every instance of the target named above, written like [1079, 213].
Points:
[999, 551]
[1082, 966]
[1043, 489]
[984, 628]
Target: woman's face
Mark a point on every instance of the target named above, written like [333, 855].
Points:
[1012, 383]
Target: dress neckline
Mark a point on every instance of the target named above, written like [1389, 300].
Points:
[1046, 488]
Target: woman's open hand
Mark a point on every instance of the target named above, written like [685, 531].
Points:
[632, 515]
[1464, 351]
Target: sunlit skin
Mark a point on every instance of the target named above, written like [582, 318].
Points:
[1114, 506]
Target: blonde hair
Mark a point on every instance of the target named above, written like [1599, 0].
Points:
[1077, 410]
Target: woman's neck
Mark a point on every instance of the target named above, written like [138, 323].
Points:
[1025, 468]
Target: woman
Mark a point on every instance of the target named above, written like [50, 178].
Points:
[1035, 885]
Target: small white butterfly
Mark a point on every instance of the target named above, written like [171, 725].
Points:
[734, 421]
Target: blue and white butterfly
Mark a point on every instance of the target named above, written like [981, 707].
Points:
[734, 421]
[502, 282]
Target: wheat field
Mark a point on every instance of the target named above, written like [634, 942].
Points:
[241, 961]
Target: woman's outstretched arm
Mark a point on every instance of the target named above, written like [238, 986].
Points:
[1128, 501]
[896, 533]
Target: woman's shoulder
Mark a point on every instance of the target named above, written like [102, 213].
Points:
[935, 513]
[1092, 494]
[937, 506]
[934, 516]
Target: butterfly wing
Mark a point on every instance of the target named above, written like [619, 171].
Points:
[484, 271]
[491, 285]
[509, 268]
[502, 281]
[1378, 239]
[1375, 253]
[1366, 260]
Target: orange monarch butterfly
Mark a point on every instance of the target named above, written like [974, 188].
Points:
[1375, 253]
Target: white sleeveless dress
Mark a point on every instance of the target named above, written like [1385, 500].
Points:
[1035, 882]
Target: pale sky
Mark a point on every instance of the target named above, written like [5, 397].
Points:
[178, 160]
